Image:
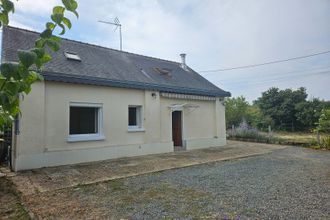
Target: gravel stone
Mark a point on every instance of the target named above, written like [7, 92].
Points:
[291, 183]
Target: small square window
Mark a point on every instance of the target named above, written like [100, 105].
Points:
[85, 122]
[134, 117]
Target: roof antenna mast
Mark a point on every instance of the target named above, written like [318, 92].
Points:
[115, 22]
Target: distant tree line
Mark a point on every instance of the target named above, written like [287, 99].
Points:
[285, 110]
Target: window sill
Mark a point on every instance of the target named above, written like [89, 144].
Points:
[135, 129]
[83, 137]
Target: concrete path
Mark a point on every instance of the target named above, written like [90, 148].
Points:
[54, 178]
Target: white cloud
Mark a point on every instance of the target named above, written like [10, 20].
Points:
[214, 34]
[16, 23]
[35, 7]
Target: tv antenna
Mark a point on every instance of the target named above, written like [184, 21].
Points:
[116, 23]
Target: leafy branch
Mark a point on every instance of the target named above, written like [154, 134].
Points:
[17, 77]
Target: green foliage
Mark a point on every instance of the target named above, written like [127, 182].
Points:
[280, 105]
[323, 124]
[308, 113]
[256, 119]
[235, 110]
[238, 110]
[6, 6]
[17, 78]
[286, 110]
[325, 142]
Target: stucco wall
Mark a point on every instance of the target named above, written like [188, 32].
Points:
[203, 122]
[115, 103]
[44, 126]
[198, 121]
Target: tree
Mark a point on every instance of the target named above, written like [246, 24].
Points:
[235, 110]
[308, 113]
[280, 106]
[239, 110]
[17, 77]
[266, 103]
[256, 119]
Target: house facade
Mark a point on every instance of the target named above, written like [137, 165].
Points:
[97, 103]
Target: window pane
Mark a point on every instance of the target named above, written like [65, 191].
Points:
[132, 116]
[83, 120]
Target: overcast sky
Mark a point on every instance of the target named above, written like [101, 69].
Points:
[215, 34]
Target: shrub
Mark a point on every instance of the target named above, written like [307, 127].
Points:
[323, 124]
[245, 132]
[325, 142]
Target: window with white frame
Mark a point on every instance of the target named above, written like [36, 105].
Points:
[134, 117]
[85, 122]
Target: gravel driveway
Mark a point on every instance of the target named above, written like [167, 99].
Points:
[291, 183]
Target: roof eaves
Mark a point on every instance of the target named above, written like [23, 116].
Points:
[59, 77]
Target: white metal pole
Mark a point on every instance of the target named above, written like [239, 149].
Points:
[121, 40]
[120, 35]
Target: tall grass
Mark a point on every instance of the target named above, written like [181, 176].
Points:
[325, 142]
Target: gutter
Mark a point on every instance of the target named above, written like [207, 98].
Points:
[66, 78]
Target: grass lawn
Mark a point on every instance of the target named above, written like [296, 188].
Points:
[296, 137]
[304, 139]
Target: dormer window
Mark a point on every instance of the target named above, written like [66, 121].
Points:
[72, 56]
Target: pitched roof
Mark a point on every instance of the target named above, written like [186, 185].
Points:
[108, 67]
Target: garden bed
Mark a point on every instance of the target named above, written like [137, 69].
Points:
[244, 132]
[281, 142]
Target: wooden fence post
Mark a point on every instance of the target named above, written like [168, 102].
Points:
[318, 137]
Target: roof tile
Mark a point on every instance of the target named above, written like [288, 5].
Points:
[118, 67]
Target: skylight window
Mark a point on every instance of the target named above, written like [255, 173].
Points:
[72, 56]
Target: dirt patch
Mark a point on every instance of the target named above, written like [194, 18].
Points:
[11, 206]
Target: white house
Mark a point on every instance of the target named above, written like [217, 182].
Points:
[97, 103]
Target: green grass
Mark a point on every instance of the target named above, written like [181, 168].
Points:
[304, 139]
[296, 137]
